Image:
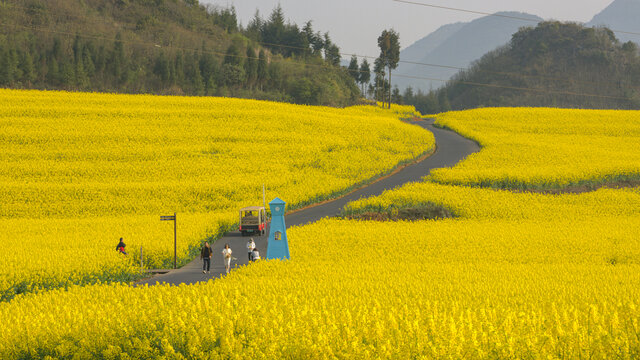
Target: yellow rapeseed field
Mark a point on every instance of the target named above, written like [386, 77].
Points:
[545, 148]
[512, 276]
[78, 171]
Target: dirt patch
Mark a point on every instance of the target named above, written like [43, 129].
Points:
[580, 189]
[423, 212]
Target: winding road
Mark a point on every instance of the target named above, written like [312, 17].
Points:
[450, 149]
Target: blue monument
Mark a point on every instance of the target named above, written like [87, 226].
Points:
[277, 245]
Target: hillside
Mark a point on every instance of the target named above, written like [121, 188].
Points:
[456, 45]
[163, 47]
[555, 64]
[620, 15]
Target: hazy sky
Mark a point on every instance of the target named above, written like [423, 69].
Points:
[356, 24]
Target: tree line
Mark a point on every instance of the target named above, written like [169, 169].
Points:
[269, 59]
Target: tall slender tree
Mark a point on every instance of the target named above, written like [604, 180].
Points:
[389, 43]
[353, 68]
[364, 75]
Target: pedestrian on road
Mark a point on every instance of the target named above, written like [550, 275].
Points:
[120, 247]
[250, 246]
[255, 255]
[226, 253]
[205, 255]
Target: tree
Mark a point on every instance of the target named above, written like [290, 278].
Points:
[314, 41]
[262, 71]
[162, 68]
[251, 66]
[118, 60]
[331, 51]
[379, 80]
[365, 75]
[9, 70]
[273, 30]
[233, 55]
[28, 69]
[353, 68]
[395, 95]
[254, 27]
[389, 43]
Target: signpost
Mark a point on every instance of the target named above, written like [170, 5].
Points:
[175, 236]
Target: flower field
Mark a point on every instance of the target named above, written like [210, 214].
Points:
[555, 148]
[79, 171]
[514, 275]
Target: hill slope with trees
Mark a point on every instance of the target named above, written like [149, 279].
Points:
[554, 64]
[167, 47]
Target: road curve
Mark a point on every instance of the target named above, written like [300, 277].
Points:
[450, 149]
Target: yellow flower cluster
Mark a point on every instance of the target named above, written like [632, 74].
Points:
[78, 171]
[514, 275]
[545, 148]
[478, 203]
[356, 289]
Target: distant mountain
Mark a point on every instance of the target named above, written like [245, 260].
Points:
[456, 45]
[620, 15]
[417, 50]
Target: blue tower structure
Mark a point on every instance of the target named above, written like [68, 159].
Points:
[277, 245]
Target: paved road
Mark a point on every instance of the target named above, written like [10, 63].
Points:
[451, 148]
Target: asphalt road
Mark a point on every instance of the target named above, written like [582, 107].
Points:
[450, 149]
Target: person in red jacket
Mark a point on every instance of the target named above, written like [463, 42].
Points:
[120, 247]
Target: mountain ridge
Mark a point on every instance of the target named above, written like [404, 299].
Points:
[620, 15]
[467, 43]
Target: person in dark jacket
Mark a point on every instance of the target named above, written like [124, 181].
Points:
[205, 255]
[120, 247]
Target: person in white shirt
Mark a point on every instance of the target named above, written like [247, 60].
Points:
[250, 246]
[226, 253]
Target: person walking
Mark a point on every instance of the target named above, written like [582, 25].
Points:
[120, 247]
[205, 255]
[250, 246]
[255, 254]
[226, 253]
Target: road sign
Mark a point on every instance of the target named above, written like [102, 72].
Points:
[175, 236]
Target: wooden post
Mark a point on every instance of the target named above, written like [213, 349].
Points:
[175, 236]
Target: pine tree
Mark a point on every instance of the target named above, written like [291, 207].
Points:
[118, 61]
[196, 80]
[364, 76]
[28, 69]
[53, 72]
[10, 72]
[251, 66]
[262, 70]
[353, 68]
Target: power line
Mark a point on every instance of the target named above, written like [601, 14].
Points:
[152, 45]
[468, 11]
[492, 14]
[559, 92]
[267, 44]
[316, 65]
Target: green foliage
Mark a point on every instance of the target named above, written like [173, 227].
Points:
[566, 65]
[167, 47]
[354, 68]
